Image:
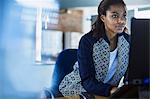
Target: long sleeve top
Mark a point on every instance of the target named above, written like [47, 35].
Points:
[92, 65]
[87, 68]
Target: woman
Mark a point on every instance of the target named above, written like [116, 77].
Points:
[102, 55]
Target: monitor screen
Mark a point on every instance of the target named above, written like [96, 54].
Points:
[139, 61]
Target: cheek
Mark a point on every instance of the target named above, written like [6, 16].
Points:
[111, 25]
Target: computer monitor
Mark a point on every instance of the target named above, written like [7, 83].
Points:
[139, 58]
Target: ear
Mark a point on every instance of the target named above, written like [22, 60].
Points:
[102, 17]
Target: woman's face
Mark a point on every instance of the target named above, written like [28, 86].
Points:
[115, 19]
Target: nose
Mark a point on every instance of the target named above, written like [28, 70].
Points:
[121, 20]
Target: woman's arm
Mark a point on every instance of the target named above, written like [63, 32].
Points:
[87, 69]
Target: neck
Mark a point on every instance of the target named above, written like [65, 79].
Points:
[112, 37]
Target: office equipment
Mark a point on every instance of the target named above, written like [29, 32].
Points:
[139, 61]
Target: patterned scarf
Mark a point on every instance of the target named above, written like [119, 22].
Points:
[101, 54]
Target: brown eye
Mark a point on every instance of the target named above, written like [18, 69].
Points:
[114, 16]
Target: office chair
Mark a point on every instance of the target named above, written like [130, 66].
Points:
[63, 66]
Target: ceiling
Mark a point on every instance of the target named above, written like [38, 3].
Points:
[91, 3]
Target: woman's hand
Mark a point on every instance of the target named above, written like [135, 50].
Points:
[113, 90]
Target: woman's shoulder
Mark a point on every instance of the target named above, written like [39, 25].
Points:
[87, 40]
[126, 36]
[88, 36]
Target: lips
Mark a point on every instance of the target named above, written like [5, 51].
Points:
[119, 27]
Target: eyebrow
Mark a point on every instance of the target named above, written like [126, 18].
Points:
[115, 12]
[118, 13]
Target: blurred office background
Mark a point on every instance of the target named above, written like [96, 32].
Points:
[31, 39]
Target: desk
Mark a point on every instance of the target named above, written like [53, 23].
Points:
[132, 92]
[126, 92]
[78, 97]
